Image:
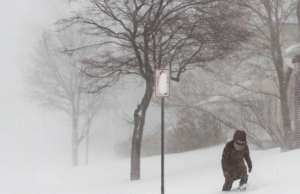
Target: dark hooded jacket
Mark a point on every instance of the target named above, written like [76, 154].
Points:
[234, 153]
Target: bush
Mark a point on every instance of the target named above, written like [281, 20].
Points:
[193, 130]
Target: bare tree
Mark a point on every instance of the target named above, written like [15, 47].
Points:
[55, 82]
[205, 93]
[269, 18]
[139, 36]
[242, 90]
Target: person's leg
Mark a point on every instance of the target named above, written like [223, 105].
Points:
[227, 186]
[244, 179]
[228, 181]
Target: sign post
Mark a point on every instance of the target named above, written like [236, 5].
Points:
[162, 90]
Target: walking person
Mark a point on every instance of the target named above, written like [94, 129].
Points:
[233, 164]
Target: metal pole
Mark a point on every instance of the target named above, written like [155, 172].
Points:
[162, 147]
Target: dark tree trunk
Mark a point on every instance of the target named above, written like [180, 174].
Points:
[139, 122]
[286, 121]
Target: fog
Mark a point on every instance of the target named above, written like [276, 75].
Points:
[32, 136]
[26, 131]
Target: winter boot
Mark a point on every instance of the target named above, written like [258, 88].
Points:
[227, 187]
[242, 188]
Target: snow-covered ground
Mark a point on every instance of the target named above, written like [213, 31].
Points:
[193, 172]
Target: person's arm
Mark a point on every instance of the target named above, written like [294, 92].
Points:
[225, 159]
[248, 159]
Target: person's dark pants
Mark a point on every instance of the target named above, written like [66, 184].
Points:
[232, 176]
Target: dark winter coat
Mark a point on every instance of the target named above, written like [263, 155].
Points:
[233, 154]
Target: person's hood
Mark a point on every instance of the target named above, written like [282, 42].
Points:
[239, 134]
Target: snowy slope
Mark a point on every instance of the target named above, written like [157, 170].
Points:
[193, 172]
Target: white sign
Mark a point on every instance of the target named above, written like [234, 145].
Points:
[162, 83]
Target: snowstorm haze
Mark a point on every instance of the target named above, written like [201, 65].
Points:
[33, 137]
[29, 136]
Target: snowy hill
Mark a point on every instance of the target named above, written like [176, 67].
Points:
[193, 172]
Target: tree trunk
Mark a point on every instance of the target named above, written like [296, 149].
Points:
[87, 141]
[298, 18]
[286, 121]
[75, 155]
[283, 78]
[74, 141]
[139, 122]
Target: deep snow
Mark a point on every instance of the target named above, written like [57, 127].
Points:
[193, 172]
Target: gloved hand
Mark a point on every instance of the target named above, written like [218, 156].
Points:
[250, 169]
[225, 173]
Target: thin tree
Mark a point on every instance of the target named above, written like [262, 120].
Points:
[139, 36]
[56, 83]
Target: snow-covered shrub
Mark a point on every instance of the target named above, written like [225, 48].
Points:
[193, 130]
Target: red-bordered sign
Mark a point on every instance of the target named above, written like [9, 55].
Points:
[157, 74]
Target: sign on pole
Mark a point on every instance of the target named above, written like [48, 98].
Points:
[162, 90]
[162, 83]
